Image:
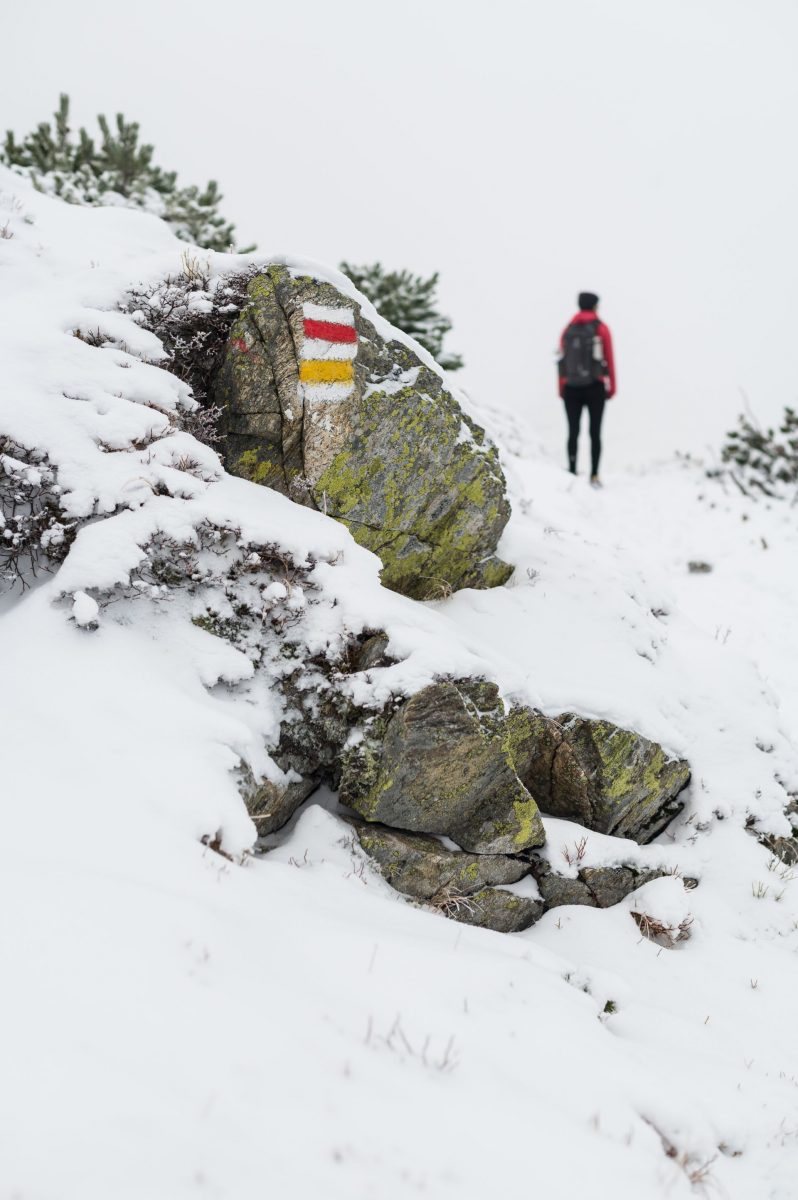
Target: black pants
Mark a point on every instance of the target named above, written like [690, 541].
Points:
[576, 398]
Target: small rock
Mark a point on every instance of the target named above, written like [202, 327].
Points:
[595, 887]
[557, 890]
[610, 885]
[494, 908]
[271, 805]
[419, 866]
[372, 652]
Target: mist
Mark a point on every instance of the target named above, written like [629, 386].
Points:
[526, 152]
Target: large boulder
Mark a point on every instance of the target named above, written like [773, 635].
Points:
[439, 764]
[322, 408]
[607, 778]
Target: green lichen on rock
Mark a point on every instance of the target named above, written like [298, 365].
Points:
[396, 460]
[419, 866]
[435, 767]
[625, 783]
[609, 779]
[468, 887]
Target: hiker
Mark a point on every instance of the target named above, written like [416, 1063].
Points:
[587, 378]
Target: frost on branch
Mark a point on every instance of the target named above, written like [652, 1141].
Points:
[191, 313]
[245, 593]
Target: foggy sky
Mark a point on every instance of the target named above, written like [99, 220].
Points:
[525, 150]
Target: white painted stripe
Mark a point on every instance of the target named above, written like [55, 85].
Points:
[321, 312]
[326, 392]
[335, 351]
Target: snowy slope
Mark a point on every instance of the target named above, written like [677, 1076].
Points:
[176, 1024]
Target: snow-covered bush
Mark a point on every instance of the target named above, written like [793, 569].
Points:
[119, 170]
[34, 531]
[191, 314]
[237, 590]
[764, 461]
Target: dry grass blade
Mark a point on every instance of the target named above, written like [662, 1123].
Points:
[453, 903]
[661, 932]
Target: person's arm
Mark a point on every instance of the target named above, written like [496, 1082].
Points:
[561, 364]
[609, 358]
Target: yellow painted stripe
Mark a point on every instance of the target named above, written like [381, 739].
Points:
[320, 371]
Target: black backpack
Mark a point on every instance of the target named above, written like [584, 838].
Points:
[580, 366]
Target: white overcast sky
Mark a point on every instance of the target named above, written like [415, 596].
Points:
[646, 151]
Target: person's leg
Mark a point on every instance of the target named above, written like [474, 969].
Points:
[595, 406]
[573, 408]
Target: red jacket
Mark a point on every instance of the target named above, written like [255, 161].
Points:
[606, 341]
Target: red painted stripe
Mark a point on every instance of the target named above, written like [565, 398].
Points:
[329, 331]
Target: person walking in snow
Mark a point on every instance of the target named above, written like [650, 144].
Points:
[587, 378]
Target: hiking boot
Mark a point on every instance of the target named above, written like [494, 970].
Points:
[595, 482]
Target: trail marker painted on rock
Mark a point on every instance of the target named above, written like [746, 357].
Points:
[326, 367]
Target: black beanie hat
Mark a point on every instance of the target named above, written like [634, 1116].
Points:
[587, 301]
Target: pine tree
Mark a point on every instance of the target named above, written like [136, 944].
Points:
[408, 301]
[765, 460]
[120, 169]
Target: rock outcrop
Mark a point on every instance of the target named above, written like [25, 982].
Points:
[320, 407]
[451, 763]
[440, 764]
[461, 886]
[471, 888]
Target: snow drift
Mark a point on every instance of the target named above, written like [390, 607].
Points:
[180, 1023]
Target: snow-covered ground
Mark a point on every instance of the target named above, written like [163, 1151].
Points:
[175, 1024]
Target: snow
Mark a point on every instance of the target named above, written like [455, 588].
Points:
[176, 1023]
[85, 610]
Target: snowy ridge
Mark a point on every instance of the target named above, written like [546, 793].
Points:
[179, 1025]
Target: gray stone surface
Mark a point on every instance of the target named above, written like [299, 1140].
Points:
[494, 908]
[440, 765]
[419, 866]
[609, 779]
